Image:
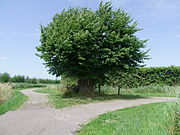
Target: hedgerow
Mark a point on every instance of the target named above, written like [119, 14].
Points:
[148, 76]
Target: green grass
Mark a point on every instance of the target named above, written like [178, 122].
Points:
[13, 103]
[151, 119]
[27, 85]
[60, 99]
[151, 90]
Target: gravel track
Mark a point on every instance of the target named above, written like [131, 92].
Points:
[36, 117]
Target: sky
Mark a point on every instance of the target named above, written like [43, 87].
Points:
[20, 22]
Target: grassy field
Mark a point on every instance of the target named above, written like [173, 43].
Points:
[152, 119]
[27, 85]
[60, 98]
[11, 99]
[151, 90]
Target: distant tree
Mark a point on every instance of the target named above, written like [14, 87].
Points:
[34, 80]
[18, 79]
[27, 79]
[5, 77]
[88, 44]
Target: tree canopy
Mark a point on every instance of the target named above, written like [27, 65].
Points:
[87, 44]
[5, 77]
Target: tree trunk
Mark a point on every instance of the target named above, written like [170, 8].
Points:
[86, 86]
[99, 88]
[119, 90]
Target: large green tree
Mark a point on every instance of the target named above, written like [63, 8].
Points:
[87, 44]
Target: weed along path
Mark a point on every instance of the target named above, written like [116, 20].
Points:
[36, 117]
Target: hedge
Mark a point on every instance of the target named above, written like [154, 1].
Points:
[150, 75]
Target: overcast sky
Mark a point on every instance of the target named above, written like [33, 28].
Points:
[20, 20]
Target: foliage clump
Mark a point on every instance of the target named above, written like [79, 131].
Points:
[88, 45]
[147, 76]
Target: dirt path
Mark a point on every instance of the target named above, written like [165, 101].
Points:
[36, 117]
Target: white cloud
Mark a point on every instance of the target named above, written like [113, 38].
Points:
[163, 8]
[1, 32]
[156, 9]
[14, 33]
[25, 34]
[178, 35]
[32, 34]
[76, 2]
[119, 2]
[178, 27]
[3, 57]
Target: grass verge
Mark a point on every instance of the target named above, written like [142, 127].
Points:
[156, 90]
[151, 119]
[14, 102]
[27, 85]
[60, 99]
[150, 90]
